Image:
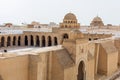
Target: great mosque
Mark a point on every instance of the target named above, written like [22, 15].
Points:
[67, 52]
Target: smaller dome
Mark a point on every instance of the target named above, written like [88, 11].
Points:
[97, 19]
[70, 16]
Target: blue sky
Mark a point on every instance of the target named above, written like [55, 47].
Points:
[45, 11]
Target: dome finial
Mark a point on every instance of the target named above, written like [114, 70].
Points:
[97, 15]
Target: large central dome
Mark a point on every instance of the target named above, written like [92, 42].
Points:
[70, 21]
[70, 16]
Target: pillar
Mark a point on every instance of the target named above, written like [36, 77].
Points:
[40, 42]
[34, 40]
[29, 40]
[46, 42]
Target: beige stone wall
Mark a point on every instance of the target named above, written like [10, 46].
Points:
[71, 48]
[57, 69]
[33, 67]
[14, 68]
[90, 70]
[102, 62]
[108, 58]
[70, 73]
[112, 63]
[117, 45]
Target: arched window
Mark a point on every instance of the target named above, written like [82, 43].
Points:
[19, 41]
[43, 41]
[55, 41]
[26, 40]
[37, 41]
[90, 39]
[65, 26]
[68, 21]
[8, 41]
[31, 40]
[14, 41]
[49, 41]
[2, 41]
[65, 36]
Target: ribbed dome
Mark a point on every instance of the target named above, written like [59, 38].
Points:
[97, 19]
[70, 16]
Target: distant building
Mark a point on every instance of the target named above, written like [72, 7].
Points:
[97, 21]
[9, 25]
[53, 24]
[34, 25]
[68, 52]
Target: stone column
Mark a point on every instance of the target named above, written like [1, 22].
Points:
[96, 56]
[16, 42]
[22, 41]
[40, 42]
[34, 40]
[5, 42]
[53, 41]
[11, 43]
[58, 41]
[29, 40]
[46, 42]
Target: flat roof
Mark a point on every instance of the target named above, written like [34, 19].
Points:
[29, 50]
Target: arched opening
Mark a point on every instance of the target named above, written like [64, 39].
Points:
[8, 41]
[81, 71]
[65, 26]
[55, 41]
[31, 40]
[49, 41]
[14, 41]
[90, 39]
[19, 39]
[26, 40]
[65, 36]
[43, 41]
[2, 42]
[37, 41]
